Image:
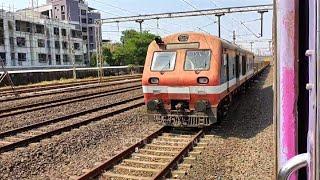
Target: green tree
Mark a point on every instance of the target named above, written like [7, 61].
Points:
[132, 50]
[134, 47]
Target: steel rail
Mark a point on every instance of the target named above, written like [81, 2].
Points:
[71, 89]
[58, 102]
[127, 152]
[61, 84]
[167, 169]
[51, 133]
[123, 154]
[43, 89]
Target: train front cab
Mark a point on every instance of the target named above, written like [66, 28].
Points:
[180, 92]
[180, 81]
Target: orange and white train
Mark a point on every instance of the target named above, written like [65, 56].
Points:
[190, 78]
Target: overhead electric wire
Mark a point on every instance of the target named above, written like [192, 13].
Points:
[196, 8]
[234, 19]
[130, 12]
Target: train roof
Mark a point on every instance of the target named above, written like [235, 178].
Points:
[225, 42]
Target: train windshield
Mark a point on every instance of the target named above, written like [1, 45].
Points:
[197, 60]
[163, 61]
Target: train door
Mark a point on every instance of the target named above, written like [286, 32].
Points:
[224, 72]
[237, 67]
[309, 159]
[244, 65]
[227, 70]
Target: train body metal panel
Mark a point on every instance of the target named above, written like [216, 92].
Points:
[287, 36]
[178, 86]
[312, 132]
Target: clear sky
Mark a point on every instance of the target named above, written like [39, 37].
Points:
[230, 22]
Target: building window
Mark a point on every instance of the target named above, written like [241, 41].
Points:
[56, 31]
[39, 29]
[78, 58]
[22, 56]
[23, 26]
[11, 40]
[3, 57]
[76, 34]
[84, 20]
[13, 56]
[84, 37]
[90, 29]
[91, 46]
[76, 46]
[41, 43]
[90, 38]
[84, 29]
[21, 41]
[62, 8]
[90, 21]
[65, 45]
[42, 58]
[48, 43]
[65, 58]
[10, 25]
[64, 32]
[63, 17]
[83, 12]
[58, 59]
[57, 44]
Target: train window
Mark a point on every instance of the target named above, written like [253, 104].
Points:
[163, 61]
[197, 60]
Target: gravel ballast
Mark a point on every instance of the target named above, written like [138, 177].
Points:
[68, 154]
[24, 119]
[61, 96]
[242, 146]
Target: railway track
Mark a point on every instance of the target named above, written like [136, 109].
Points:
[58, 102]
[23, 136]
[165, 153]
[32, 88]
[69, 89]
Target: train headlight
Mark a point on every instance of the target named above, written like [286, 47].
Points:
[153, 105]
[154, 80]
[201, 106]
[203, 80]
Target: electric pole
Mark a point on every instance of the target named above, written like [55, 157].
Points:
[234, 37]
[219, 23]
[140, 22]
[261, 27]
[251, 43]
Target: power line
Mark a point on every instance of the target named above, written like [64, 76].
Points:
[233, 19]
[129, 12]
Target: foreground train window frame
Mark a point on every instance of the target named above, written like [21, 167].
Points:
[196, 69]
[172, 62]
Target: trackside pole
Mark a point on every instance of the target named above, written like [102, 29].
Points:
[7, 76]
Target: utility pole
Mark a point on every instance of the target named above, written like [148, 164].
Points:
[234, 37]
[251, 43]
[219, 23]
[140, 22]
[270, 45]
[261, 27]
[71, 51]
[99, 49]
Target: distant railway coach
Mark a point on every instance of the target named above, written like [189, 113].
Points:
[190, 78]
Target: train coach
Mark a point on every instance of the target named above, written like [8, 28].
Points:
[189, 78]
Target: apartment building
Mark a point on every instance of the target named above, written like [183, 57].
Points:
[59, 33]
[78, 13]
[28, 39]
